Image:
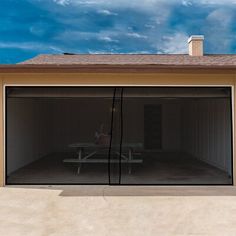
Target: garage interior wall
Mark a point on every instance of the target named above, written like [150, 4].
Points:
[28, 136]
[207, 131]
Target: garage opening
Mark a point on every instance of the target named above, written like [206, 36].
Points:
[118, 135]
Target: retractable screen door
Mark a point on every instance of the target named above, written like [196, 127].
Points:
[61, 135]
[119, 135]
[177, 135]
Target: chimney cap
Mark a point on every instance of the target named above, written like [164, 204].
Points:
[196, 37]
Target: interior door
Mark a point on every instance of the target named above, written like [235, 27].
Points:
[152, 127]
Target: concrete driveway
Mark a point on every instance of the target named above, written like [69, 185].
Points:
[113, 211]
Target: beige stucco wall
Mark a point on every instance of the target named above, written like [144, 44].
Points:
[129, 79]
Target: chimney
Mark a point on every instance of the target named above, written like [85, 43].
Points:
[195, 45]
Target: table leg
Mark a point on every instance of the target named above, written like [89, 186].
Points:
[130, 159]
[79, 152]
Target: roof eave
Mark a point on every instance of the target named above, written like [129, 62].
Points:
[102, 68]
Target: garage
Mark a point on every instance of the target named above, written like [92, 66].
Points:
[118, 135]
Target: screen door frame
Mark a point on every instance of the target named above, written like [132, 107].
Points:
[5, 86]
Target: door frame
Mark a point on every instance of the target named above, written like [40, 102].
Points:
[232, 115]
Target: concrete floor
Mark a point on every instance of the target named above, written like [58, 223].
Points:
[117, 211]
[157, 168]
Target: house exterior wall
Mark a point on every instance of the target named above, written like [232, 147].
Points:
[179, 78]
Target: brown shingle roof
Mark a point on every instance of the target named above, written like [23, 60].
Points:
[134, 59]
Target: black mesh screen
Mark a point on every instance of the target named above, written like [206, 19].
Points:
[118, 135]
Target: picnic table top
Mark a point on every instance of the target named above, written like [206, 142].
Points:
[93, 145]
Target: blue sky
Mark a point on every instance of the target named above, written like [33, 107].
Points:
[32, 27]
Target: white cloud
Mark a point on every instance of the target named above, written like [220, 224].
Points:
[74, 36]
[106, 35]
[62, 2]
[157, 21]
[220, 16]
[144, 4]
[218, 30]
[187, 3]
[100, 52]
[25, 46]
[107, 13]
[113, 51]
[56, 49]
[32, 46]
[140, 52]
[108, 39]
[136, 35]
[38, 31]
[217, 2]
[150, 26]
[175, 44]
